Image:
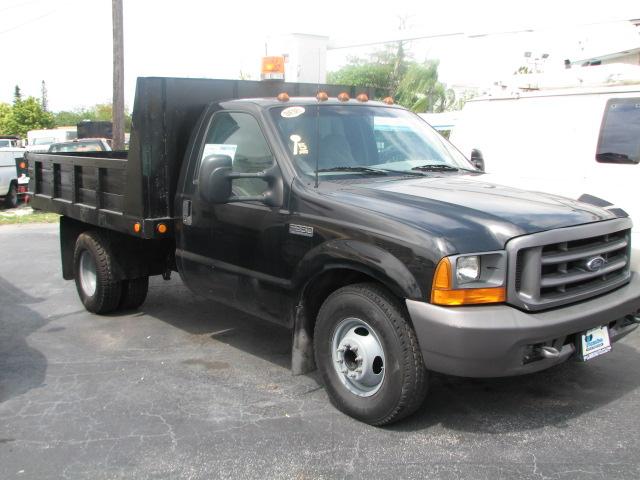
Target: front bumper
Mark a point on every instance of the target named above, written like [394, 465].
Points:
[499, 340]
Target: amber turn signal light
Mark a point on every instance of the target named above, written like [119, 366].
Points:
[443, 294]
[137, 227]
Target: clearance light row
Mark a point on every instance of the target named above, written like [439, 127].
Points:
[160, 228]
[343, 97]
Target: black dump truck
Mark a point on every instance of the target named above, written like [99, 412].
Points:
[350, 221]
[95, 129]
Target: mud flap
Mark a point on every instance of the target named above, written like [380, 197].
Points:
[302, 359]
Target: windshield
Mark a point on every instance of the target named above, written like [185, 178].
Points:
[77, 147]
[43, 141]
[344, 140]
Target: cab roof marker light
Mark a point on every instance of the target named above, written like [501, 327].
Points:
[343, 97]
[283, 97]
[322, 96]
[362, 97]
[388, 100]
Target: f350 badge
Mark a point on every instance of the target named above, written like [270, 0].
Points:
[302, 230]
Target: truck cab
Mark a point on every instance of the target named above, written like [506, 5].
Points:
[353, 223]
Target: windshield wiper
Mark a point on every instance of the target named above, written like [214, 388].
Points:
[353, 169]
[436, 167]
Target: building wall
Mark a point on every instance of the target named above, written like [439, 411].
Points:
[305, 56]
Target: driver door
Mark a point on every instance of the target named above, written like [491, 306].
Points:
[238, 250]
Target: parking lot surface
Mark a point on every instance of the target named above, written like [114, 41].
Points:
[187, 389]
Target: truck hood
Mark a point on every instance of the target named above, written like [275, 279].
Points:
[467, 212]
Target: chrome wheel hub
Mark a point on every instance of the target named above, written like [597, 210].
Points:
[88, 275]
[358, 357]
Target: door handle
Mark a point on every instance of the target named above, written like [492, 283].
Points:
[186, 212]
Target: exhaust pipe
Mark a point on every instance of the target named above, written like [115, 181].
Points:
[549, 352]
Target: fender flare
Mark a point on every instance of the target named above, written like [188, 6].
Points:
[359, 256]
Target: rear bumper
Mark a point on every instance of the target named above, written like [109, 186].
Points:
[499, 340]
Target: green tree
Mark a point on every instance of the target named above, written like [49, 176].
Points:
[26, 115]
[421, 91]
[365, 73]
[5, 113]
[391, 72]
[98, 112]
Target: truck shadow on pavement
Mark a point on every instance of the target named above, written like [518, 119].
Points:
[21, 366]
[499, 405]
[174, 304]
[552, 397]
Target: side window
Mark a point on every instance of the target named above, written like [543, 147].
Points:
[619, 140]
[238, 136]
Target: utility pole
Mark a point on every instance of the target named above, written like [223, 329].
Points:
[118, 76]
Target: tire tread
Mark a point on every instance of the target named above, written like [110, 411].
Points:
[414, 389]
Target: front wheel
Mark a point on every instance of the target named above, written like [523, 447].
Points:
[368, 355]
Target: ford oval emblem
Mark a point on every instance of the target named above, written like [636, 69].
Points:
[594, 264]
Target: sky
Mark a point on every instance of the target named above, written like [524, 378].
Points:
[67, 43]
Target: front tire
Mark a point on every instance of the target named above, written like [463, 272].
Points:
[99, 290]
[368, 355]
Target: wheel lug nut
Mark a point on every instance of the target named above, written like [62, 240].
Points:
[359, 359]
[341, 350]
[339, 360]
[354, 348]
[359, 370]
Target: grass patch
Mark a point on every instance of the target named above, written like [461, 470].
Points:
[35, 217]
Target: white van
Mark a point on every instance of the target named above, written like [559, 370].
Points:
[575, 142]
[39, 140]
[13, 180]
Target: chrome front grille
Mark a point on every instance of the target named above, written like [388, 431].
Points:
[562, 266]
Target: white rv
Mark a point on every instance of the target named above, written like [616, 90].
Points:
[39, 140]
[575, 142]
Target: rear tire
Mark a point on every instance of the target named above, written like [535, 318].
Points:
[134, 293]
[383, 378]
[11, 199]
[99, 290]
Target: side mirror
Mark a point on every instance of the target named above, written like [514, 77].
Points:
[214, 183]
[477, 160]
[216, 177]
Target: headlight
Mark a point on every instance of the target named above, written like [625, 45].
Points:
[467, 269]
[470, 279]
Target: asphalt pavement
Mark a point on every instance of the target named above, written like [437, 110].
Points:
[185, 388]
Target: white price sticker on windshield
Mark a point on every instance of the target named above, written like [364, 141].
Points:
[292, 112]
[219, 149]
